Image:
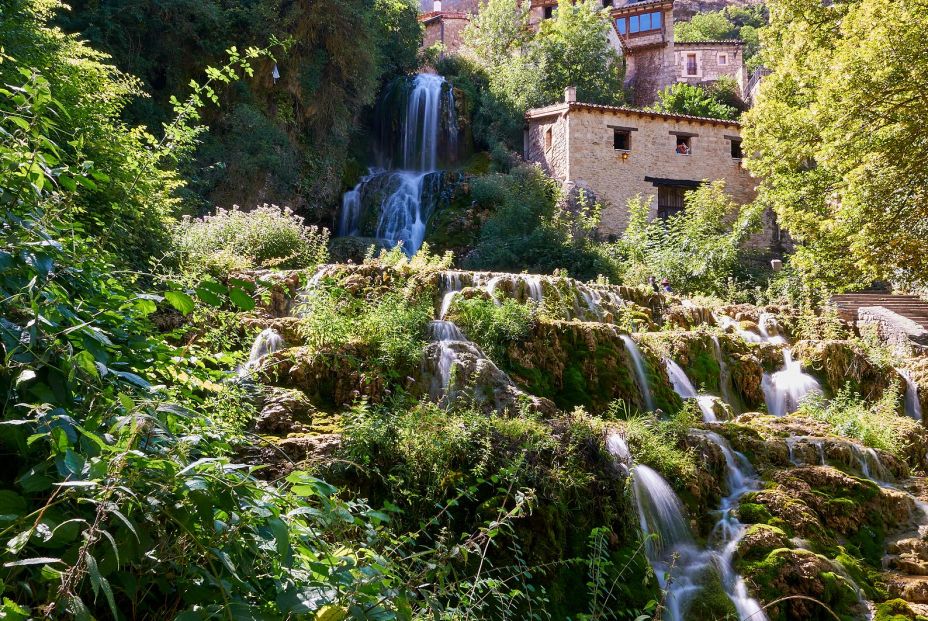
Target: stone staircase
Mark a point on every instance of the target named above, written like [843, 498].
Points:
[910, 306]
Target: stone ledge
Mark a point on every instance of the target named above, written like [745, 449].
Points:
[893, 329]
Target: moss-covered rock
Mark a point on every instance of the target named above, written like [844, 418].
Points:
[808, 585]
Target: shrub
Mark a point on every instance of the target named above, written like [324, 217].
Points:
[492, 325]
[232, 239]
[534, 229]
[875, 424]
[682, 98]
[698, 250]
[391, 329]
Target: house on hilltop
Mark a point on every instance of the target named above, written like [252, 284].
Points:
[616, 153]
[642, 32]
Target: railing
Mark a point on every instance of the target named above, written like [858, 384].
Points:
[755, 79]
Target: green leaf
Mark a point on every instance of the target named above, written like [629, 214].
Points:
[38, 560]
[241, 299]
[181, 301]
[208, 296]
[85, 361]
[12, 505]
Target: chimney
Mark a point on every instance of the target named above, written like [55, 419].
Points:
[436, 5]
[570, 94]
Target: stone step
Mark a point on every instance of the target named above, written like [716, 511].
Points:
[911, 307]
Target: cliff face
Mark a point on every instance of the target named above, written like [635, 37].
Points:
[683, 10]
[286, 141]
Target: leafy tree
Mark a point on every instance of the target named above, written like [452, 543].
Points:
[525, 69]
[288, 139]
[839, 140]
[713, 26]
[682, 98]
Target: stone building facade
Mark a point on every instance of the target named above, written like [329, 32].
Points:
[642, 33]
[617, 153]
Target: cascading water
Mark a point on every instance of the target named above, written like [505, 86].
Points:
[641, 375]
[680, 565]
[406, 196]
[913, 405]
[725, 384]
[267, 342]
[684, 387]
[785, 390]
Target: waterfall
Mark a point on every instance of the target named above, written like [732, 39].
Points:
[640, 374]
[684, 387]
[267, 342]
[913, 405]
[406, 196]
[660, 514]
[444, 333]
[725, 385]
[451, 285]
[766, 323]
[785, 389]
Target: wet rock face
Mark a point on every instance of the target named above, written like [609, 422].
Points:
[328, 379]
[841, 362]
[284, 411]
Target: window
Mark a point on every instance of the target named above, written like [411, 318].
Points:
[621, 139]
[643, 23]
[620, 25]
[549, 12]
[548, 139]
[607, 3]
[691, 66]
[723, 59]
[670, 201]
[736, 152]
[684, 145]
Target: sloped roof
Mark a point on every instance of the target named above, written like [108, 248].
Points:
[560, 108]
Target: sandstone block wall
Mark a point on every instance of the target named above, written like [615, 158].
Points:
[445, 29]
[582, 154]
[708, 65]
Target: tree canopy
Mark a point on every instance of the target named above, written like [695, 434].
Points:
[838, 137]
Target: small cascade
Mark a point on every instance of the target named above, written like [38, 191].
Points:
[726, 323]
[770, 329]
[728, 531]
[913, 405]
[641, 375]
[451, 284]
[406, 195]
[267, 342]
[684, 387]
[444, 333]
[865, 459]
[618, 448]
[785, 390]
[725, 382]
[660, 515]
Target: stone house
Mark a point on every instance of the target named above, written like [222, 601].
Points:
[617, 153]
[642, 33]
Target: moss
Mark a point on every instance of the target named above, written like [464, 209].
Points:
[895, 610]
[753, 513]
[712, 603]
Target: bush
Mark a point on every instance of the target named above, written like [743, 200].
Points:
[492, 325]
[877, 425]
[682, 98]
[698, 250]
[268, 236]
[532, 230]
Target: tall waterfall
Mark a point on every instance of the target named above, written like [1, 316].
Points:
[405, 188]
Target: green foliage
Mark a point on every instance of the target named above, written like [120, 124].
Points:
[838, 134]
[267, 236]
[531, 230]
[877, 425]
[291, 137]
[390, 330]
[525, 68]
[698, 250]
[491, 324]
[683, 98]
[655, 442]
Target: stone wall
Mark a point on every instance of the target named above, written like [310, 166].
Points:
[582, 155]
[708, 65]
[445, 28]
